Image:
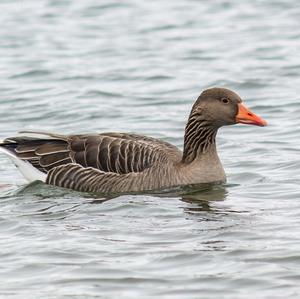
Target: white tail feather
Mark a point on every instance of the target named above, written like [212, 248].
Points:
[28, 171]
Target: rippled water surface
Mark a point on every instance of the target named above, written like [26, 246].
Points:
[89, 66]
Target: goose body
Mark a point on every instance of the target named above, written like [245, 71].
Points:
[121, 162]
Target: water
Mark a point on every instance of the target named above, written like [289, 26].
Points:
[137, 66]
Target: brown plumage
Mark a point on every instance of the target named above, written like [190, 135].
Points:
[119, 162]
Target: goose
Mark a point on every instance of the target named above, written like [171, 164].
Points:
[125, 162]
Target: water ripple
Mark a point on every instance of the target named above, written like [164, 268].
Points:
[85, 66]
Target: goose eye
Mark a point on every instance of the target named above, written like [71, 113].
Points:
[225, 100]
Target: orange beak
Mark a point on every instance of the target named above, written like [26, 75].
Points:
[245, 116]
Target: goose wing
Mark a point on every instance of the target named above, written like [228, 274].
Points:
[117, 153]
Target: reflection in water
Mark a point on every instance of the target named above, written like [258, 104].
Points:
[202, 199]
[207, 193]
[201, 196]
[44, 191]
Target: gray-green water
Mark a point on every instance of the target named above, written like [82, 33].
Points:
[91, 66]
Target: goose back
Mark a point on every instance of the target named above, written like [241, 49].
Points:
[115, 158]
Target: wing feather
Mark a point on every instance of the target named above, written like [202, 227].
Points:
[108, 152]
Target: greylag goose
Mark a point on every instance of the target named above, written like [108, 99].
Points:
[121, 162]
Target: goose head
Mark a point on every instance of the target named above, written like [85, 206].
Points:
[221, 107]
